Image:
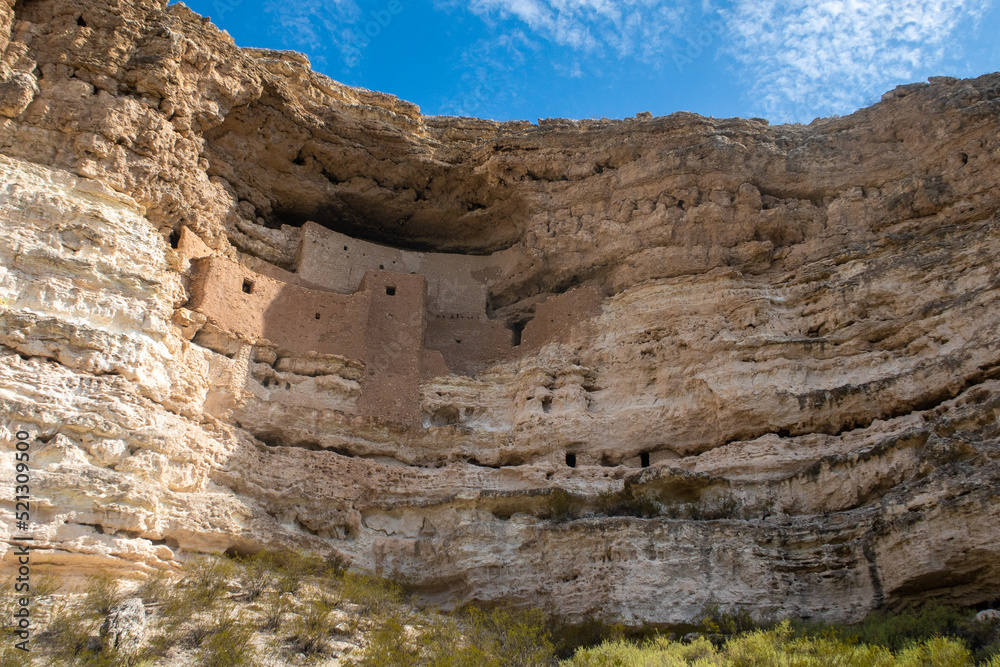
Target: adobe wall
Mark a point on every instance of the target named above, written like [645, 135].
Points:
[387, 323]
[456, 284]
[558, 318]
[467, 344]
[256, 307]
[394, 340]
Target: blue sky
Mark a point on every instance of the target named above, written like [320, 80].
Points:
[784, 60]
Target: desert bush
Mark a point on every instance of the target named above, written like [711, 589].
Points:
[373, 595]
[207, 580]
[389, 646]
[255, 575]
[561, 505]
[777, 646]
[499, 637]
[103, 593]
[714, 621]
[45, 585]
[313, 627]
[9, 655]
[651, 653]
[227, 643]
[569, 637]
[275, 607]
[902, 629]
[627, 503]
[68, 634]
[294, 567]
[513, 638]
[723, 506]
[157, 587]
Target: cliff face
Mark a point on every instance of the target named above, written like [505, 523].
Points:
[784, 339]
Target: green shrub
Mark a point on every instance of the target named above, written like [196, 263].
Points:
[714, 621]
[774, 647]
[561, 505]
[313, 627]
[723, 506]
[255, 575]
[207, 580]
[900, 630]
[651, 653]
[68, 633]
[103, 593]
[45, 585]
[11, 656]
[569, 637]
[227, 644]
[373, 595]
[157, 587]
[275, 607]
[294, 567]
[389, 646]
[513, 638]
[626, 503]
[499, 637]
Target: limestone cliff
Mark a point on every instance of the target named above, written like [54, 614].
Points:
[245, 305]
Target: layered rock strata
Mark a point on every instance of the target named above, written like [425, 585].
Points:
[244, 306]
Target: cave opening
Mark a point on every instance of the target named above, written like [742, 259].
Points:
[644, 459]
[248, 286]
[571, 459]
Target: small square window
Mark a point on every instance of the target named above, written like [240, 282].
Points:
[248, 286]
[317, 316]
[390, 290]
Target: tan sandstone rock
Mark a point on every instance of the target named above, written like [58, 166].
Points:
[243, 305]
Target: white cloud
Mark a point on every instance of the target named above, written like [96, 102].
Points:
[643, 29]
[320, 26]
[807, 58]
[799, 58]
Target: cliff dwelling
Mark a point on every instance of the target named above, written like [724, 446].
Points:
[621, 369]
[404, 316]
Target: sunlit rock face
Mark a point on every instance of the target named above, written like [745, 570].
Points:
[245, 306]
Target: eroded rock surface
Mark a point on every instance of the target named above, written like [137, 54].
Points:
[242, 306]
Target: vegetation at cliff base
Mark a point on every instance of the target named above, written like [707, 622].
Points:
[290, 608]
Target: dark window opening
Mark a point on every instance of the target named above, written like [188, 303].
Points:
[390, 290]
[317, 316]
[571, 459]
[458, 341]
[644, 459]
[345, 247]
[516, 329]
[381, 267]
[248, 286]
[965, 158]
[80, 22]
[175, 239]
